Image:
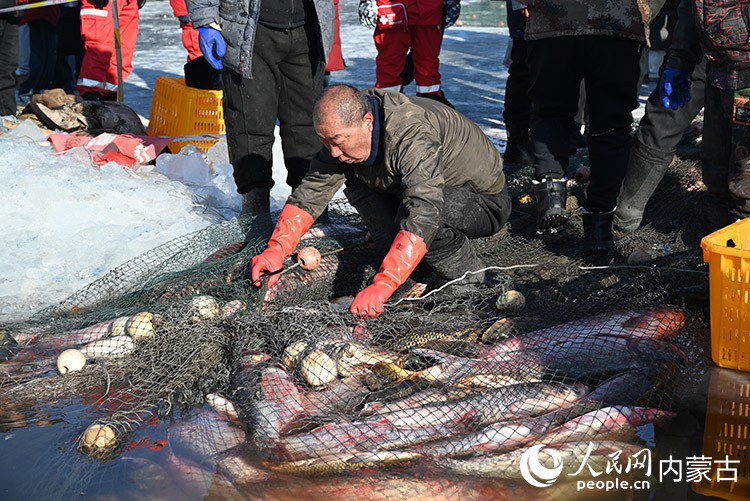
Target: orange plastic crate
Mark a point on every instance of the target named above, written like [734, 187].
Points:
[727, 253]
[727, 435]
[179, 110]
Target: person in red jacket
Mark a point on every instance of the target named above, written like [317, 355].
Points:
[401, 25]
[335, 60]
[198, 73]
[97, 79]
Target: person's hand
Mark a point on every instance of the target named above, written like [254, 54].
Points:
[99, 4]
[369, 302]
[674, 88]
[212, 45]
[268, 261]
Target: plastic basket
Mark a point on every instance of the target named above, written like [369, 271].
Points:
[727, 435]
[727, 253]
[179, 110]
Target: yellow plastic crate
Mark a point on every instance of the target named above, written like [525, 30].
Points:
[727, 253]
[727, 436]
[179, 110]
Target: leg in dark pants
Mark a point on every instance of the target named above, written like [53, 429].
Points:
[286, 80]
[517, 107]
[555, 72]
[611, 83]
[301, 83]
[659, 132]
[717, 159]
[8, 65]
[43, 59]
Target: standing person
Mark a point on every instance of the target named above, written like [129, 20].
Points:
[668, 115]
[724, 31]
[70, 49]
[43, 42]
[97, 79]
[570, 41]
[423, 177]
[198, 72]
[401, 25]
[517, 107]
[273, 56]
[8, 63]
[335, 59]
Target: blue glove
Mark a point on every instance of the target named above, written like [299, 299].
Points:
[674, 88]
[212, 45]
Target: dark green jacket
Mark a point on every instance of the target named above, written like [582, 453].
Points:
[425, 146]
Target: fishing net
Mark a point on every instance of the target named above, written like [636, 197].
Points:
[235, 388]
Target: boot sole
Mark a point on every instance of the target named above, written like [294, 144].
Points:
[551, 221]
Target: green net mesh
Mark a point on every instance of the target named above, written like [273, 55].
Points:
[237, 388]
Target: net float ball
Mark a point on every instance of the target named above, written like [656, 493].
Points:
[70, 361]
[203, 308]
[140, 325]
[511, 301]
[98, 436]
[308, 258]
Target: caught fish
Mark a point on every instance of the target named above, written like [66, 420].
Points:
[203, 434]
[298, 281]
[597, 346]
[227, 250]
[341, 396]
[509, 403]
[335, 464]
[381, 434]
[268, 399]
[604, 424]
[568, 456]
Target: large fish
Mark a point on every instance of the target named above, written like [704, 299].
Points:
[491, 406]
[566, 456]
[602, 424]
[269, 400]
[361, 436]
[335, 464]
[203, 434]
[593, 347]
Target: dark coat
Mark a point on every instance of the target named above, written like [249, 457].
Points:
[425, 146]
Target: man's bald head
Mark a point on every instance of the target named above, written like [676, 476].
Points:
[344, 123]
[343, 102]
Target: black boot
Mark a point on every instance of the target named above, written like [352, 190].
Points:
[646, 168]
[255, 218]
[597, 232]
[453, 266]
[518, 150]
[550, 195]
[436, 96]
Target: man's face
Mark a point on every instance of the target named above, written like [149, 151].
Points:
[348, 145]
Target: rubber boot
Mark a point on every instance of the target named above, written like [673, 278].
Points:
[550, 195]
[438, 96]
[255, 218]
[597, 232]
[646, 169]
[455, 265]
[518, 150]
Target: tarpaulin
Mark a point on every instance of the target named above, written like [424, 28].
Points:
[123, 149]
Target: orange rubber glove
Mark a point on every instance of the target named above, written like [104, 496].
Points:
[407, 250]
[293, 223]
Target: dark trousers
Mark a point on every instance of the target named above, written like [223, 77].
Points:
[8, 66]
[662, 128]
[465, 214]
[43, 58]
[287, 72]
[724, 155]
[610, 67]
[517, 107]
